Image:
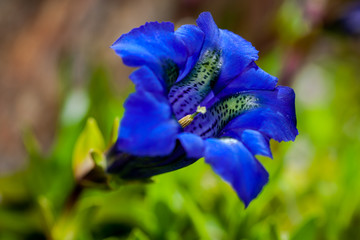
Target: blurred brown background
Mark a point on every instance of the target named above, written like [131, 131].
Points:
[37, 36]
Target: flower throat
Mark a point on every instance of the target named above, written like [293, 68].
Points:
[186, 95]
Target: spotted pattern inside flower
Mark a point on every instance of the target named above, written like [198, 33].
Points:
[221, 113]
[188, 93]
[171, 73]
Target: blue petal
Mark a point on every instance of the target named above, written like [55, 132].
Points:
[253, 79]
[145, 80]
[193, 145]
[236, 52]
[147, 128]
[275, 116]
[282, 101]
[254, 141]
[236, 165]
[154, 45]
[212, 33]
[193, 39]
[267, 122]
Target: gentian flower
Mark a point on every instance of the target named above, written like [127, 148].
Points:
[199, 94]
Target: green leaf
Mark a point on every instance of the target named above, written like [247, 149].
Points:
[307, 230]
[98, 158]
[114, 131]
[90, 140]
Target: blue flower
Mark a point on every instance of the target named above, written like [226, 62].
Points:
[199, 94]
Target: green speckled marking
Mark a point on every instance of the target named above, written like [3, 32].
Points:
[187, 94]
[171, 73]
[221, 113]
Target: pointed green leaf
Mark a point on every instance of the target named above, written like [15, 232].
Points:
[114, 131]
[89, 140]
[98, 157]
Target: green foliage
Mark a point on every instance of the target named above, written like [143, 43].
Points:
[312, 193]
[88, 145]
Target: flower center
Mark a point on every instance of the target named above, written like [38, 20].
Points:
[221, 113]
[185, 121]
[188, 93]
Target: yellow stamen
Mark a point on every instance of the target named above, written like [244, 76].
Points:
[185, 121]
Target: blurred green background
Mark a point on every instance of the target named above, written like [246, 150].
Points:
[57, 70]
